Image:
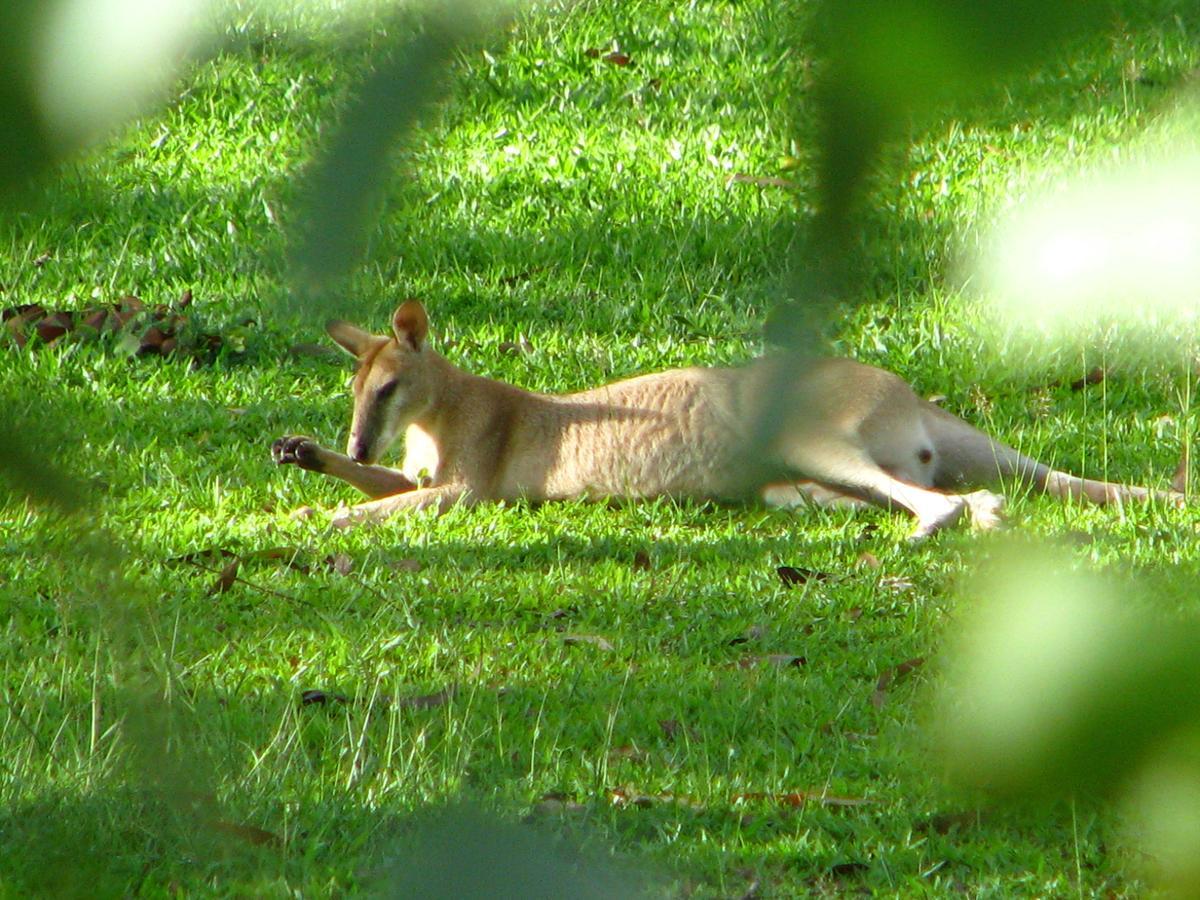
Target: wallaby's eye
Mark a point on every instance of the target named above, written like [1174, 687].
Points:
[385, 392]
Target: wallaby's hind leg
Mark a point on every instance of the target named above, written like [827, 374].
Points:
[966, 455]
[844, 467]
[374, 481]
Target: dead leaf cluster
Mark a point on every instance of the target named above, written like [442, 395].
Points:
[144, 330]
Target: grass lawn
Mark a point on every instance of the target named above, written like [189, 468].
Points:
[636, 684]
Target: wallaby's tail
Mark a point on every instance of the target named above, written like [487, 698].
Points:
[967, 456]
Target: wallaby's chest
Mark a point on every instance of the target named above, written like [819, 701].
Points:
[421, 457]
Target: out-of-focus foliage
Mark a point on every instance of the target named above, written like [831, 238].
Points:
[346, 185]
[885, 66]
[1063, 682]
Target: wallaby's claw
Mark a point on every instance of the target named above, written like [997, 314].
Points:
[298, 450]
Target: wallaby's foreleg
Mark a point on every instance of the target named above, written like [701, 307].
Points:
[441, 498]
[374, 481]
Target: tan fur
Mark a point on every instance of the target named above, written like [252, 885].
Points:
[780, 429]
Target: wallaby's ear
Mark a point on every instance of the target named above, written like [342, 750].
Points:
[349, 337]
[410, 324]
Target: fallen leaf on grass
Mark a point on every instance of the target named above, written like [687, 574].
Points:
[142, 330]
[641, 561]
[555, 803]
[259, 837]
[672, 729]
[627, 751]
[753, 633]
[1179, 481]
[944, 823]
[427, 701]
[340, 563]
[207, 555]
[796, 799]
[890, 677]
[520, 347]
[760, 180]
[314, 351]
[1094, 376]
[778, 660]
[227, 577]
[793, 575]
[594, 639]
[896, 583]
[846, 869]
[870, 560]
[627, 797]
[525, 275]
[617, 58]
[317, 698]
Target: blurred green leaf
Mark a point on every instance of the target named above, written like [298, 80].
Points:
[887, 62]
[347, 183]
[35, 475]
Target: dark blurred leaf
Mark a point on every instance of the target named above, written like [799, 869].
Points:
[26, 148]
[793, 575]
[1094, 376]
[249, 834]
[31, 474]
[317, 698]
[346, 185]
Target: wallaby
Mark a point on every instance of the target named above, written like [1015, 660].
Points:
[780, 429]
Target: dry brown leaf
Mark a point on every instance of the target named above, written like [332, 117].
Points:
[1179, 481]
[227, 578]
[868, 559]
[341, 563]
[617, 58]
[797, 799]
[627, 797]
[890, 677]
[641, 560]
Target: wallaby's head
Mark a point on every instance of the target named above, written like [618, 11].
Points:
[394, 379]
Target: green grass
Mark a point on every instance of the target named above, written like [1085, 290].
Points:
[588, 208]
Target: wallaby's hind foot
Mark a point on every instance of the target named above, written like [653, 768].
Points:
[1071, 487]
[986, 509]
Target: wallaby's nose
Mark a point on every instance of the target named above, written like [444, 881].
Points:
[358, 452]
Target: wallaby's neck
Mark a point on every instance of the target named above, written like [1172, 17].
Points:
[453, 389]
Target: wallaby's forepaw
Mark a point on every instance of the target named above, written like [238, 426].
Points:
[297, 450]
[987, 509]
[930, 525]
